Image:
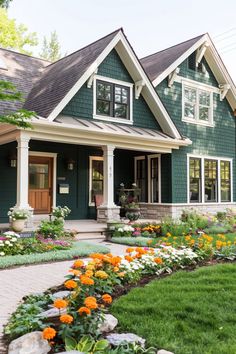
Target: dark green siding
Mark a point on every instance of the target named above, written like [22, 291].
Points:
[81, 105]
[217, 141]
[8, 181]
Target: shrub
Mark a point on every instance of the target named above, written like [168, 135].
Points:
[52, 229]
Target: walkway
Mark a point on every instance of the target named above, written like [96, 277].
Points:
[19, 282]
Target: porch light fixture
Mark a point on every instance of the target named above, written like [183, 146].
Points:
[70, 164]
[13, 160]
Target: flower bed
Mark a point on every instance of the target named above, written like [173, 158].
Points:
[93, 285]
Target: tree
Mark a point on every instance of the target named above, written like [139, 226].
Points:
[5, 3]
[20, 118]
[14, 36]
[51, 48]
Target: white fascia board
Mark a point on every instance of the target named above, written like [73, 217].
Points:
[174, 65]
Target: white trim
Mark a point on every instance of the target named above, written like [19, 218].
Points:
[196, 120]
[130, 105]
[54, 156]
[91, 159]
[149, 178]
[197, 84]
[173, 76]
[218, 159]
[136, 158]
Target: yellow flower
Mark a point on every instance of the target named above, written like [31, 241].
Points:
[101, 274]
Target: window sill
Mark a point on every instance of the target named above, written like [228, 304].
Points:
[113, 119]
[211, 125]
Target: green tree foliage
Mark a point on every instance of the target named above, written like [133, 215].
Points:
[14, 36]
[20, 118]
[51, 48]
[5, 3]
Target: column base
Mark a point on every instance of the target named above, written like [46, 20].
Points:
[105, 214]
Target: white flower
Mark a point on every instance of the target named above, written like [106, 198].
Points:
[1, 244]
[7, 243]
[14, 239]
[2, 254]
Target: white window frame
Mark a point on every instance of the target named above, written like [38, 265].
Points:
[198, 87]
[218, 159]
[118, 82]
[137, 158]
[150, 157]
[91, 159]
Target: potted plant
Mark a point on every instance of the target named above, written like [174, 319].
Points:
[17, 218]
[60, 213]
[132, 211]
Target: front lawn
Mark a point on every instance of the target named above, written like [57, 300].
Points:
[78, 249]
[186, 313]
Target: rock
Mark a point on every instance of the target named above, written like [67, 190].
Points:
[30, 343]
[119, 338]
[109, 323]
[61, 294]
[53, 312]
[163, 351]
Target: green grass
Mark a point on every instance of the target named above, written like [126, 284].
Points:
[79, 249]
[185, 313]
[142, 241]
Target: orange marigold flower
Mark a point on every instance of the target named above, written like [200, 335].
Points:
[90, 266]
[76, 273]
[121, 274]
[78, 263]
[66, 319]
[84, 310]
[49, 333]
[86, 280]
[91, 302]
[129, 258]
[115, 261]
[101, 274]
[97, 256]
[107, 298]
[130, 250]
[158, 260]
[70, 284]
[88, 273]
[116, 269]
[60, 303]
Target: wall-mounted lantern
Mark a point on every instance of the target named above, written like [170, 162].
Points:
[70, 164]
[13, 160]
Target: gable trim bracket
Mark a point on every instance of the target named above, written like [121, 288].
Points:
[172, 77]
[224, 88]
[138, 88]
[91, 78]
[200, 53]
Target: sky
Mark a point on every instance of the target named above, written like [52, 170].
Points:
[150, 25]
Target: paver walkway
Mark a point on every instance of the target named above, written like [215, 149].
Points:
[18, 282]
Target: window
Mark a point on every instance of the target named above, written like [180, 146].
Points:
[209, 180]
[141, 179]
[197, 105]
[96, 178]
[225, 181]
[112, 100]
[195, 180]
[154, 180]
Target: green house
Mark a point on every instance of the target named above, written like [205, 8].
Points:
[105, 118]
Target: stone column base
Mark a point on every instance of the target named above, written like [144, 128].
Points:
[105, 214]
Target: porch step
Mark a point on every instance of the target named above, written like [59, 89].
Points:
[90, 236]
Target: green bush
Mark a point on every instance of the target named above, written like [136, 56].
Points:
[175, 227]
[52, 229]
[218, 229]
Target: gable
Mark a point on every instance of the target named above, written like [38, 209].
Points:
[81, 105]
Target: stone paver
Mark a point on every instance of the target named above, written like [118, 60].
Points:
[18, 282]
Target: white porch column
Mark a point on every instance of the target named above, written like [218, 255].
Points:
[108, 210]
[22, 172]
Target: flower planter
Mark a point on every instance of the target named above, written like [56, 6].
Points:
[18, 225]
[132, 214]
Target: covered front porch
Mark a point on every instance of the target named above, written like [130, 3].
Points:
[69, 166]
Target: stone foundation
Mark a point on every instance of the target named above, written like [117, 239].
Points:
[105, 214]
[159, 211]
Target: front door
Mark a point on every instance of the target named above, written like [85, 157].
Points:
[40, 184]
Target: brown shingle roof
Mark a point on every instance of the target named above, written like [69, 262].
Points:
[155, 64]
[22, 71]
[59, 77]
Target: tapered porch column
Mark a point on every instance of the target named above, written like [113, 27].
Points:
[22, 172]
[108, 210]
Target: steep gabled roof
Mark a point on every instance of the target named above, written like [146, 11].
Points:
[60, 77]
[21, 70]
[156, 64]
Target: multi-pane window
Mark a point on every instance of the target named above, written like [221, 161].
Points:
[141, 179]
[96, 177]
[209, 180]
[225, 181]
[197, 105]
[195, 180]
[113, 100]
[154, 180]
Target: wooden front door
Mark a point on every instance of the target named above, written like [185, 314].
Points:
[40, 184]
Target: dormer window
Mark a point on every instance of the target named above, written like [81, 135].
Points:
[113, 100]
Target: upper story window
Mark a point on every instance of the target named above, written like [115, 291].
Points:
[113, 100]
[197, 105]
